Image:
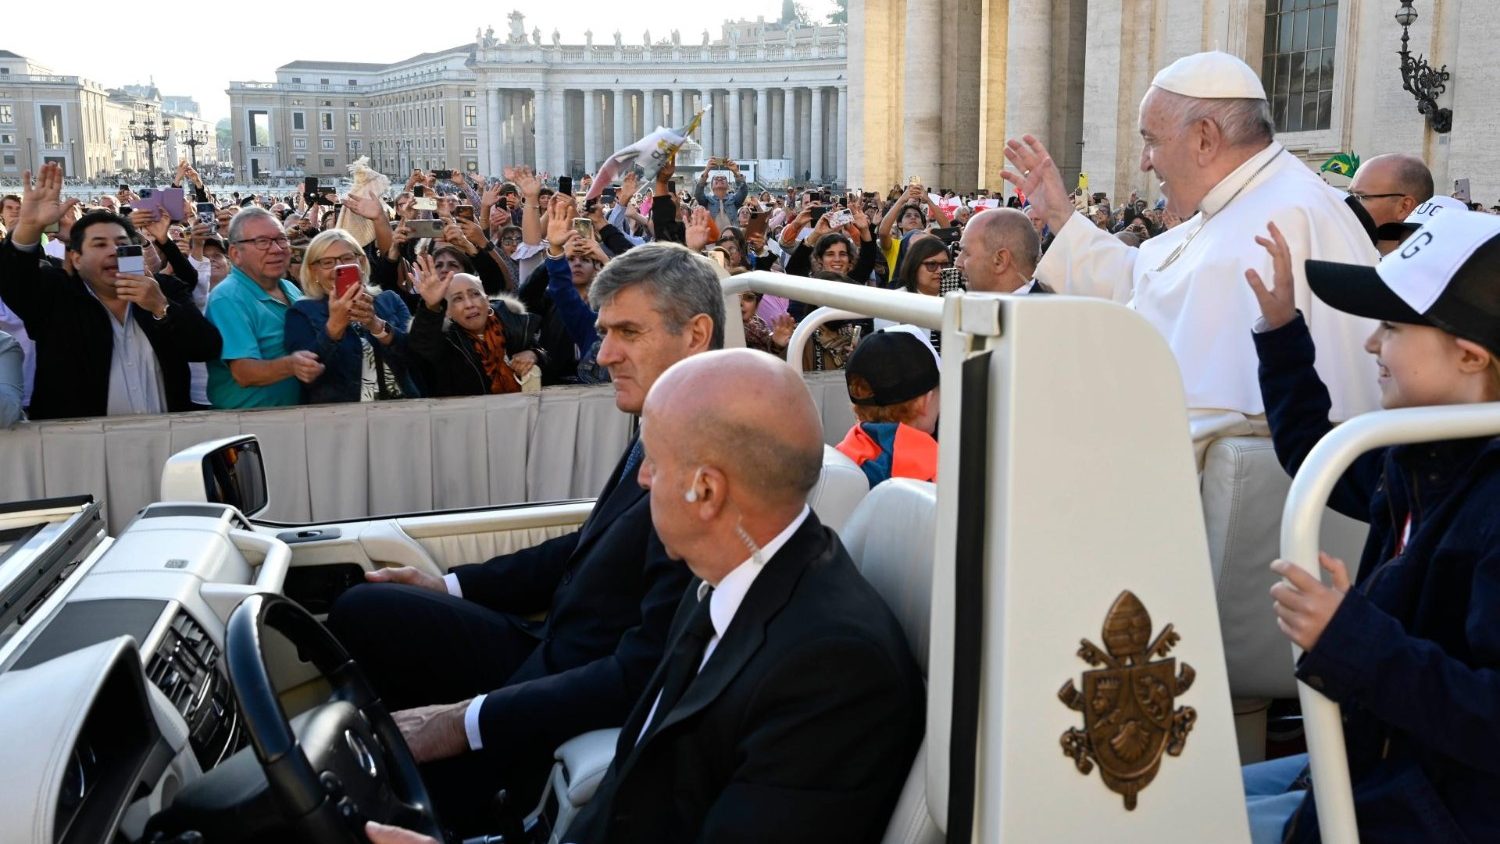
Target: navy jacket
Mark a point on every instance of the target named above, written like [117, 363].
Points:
[1413, 651]
[609, 591]
[801, 725]
[342, 379]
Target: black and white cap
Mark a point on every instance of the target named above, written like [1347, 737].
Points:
[1419, 217]
[1446, 275]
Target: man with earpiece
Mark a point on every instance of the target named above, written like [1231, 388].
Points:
[788, 706]
[483, 692]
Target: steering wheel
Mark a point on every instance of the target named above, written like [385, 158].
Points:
[350, 763]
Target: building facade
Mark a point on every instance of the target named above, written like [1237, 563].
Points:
[779, 97]
[47, 117]
[1073, 73]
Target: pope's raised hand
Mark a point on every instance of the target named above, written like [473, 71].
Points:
[1039, 179]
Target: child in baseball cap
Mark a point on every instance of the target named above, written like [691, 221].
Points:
[892, 378]
[1411, 648]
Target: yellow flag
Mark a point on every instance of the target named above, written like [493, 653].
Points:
[1083, 181]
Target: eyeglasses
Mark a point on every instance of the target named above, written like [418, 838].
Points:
[935, 266]
[332, 261]
[264, 244]
[1364, 197]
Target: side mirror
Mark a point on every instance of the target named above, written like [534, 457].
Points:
[226, 471]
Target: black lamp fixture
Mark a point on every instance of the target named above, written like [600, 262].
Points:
[1425, 82]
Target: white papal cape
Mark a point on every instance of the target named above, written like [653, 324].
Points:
[1202, 304]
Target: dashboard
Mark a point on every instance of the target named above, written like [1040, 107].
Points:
[112, 672]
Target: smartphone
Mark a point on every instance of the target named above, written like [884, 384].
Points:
[442, 175]
[950, 279]
[948, 236]
[207, 213]
[170, 201]
[130, 260]
[1461, 191]
[817, 214]
[565, 185]
[464, 212]
[424, 203]
[584, 226]
[345, 276]
[425, 228]
[840, 218]
[914, 181]
[419, 191]
[756, 224]
[720, 257]
[125, 188]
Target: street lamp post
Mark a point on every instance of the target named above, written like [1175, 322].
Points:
[1421, 79]
[196, 139]
[145, 132]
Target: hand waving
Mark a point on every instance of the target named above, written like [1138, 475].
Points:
[1278, 305]
[430, 284]
[560, 221]
[697, 231]
[41, 202]
[1039, 179]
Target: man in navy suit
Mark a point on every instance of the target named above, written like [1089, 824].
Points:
[487, 695]
[788, 707]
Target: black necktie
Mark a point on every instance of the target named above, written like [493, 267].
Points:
[632, 462]
[683, 661]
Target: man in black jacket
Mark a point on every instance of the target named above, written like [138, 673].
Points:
[508, 690]
[107, 342]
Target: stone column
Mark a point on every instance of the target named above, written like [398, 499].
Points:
[494, 142]
[922, 100]
[590, 129]
[557, 146]
[679, 115]
[541, 99]
[816, 165]
[789, 127]
[762, 123]
[648, 112]
[734, 101]
[804, 135]
[778, 131]
[1028, 65]
[622, 121]
[841, 145]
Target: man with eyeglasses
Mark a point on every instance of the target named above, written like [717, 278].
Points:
[249, 308]
[1390, 187]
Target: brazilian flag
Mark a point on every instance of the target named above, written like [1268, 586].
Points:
[1344, 164]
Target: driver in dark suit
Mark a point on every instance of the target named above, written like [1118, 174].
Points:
[486, 694]
[788, 706]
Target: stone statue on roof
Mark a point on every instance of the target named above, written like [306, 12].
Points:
[676, 39]
[646, 38]
[705, 38]
[489, 36]
[588, 37]
[617, 38]
[536, 35]
[517, 28]
[556, 37]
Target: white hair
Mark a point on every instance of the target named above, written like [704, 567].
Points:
[1242, 121]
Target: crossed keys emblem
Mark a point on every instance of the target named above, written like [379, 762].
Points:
[1128, 719]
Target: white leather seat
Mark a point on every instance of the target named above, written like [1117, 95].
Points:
[891, 538]
[841, 486]
[583, 760]
[1244, 491]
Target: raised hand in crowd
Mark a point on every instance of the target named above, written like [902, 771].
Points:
[525, 181]
[630, 184]
[821, 228]
[151, 223]
[66, 219]
[587, 248]
[429, 282]
[1278, 305]
[781, 330]
[698, 229]
[1039, 179]
[859, 228]
[560, 222]
[664, 176]
[41, 203]
[365, 206]
[489, 199]
[453, 235]
[790, 231]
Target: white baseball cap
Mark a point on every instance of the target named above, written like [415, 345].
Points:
[1447, 275]
[1419, 217]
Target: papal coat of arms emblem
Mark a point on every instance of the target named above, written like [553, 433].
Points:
[1128, 720]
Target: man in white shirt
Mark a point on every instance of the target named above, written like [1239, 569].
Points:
[1210, 141]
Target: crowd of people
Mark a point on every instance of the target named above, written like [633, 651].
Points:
[1268, 285]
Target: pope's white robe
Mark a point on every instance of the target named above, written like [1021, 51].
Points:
[1202, 303]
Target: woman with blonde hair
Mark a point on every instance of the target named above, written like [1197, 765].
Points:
[359, 336]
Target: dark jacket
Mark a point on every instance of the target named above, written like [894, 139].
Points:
[800, 727]
[609, 591]
[74, 340]
[560, 366]
[449, 364]
[343, 376]
[1412, 652]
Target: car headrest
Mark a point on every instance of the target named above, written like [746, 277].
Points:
[841, 486]
[891, 537]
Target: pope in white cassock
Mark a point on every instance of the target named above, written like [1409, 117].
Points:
[1210, 141]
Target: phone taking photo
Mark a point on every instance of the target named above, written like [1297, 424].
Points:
[130, 260]
[584, 226]
[207, 213]
[345, 276]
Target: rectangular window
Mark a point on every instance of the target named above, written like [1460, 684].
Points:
[328, 144]
[7, 139]
[299, 122]
[471, 143]
[52, 129]
[327, 162]
[299, 143]
[326, 119]
[354, 145]
[296, 80]
[353, 82]
[301, 161]
[5, 113]
[1297, 62]
[354, 121]
[471, 116]
[323, 81]
[9, 159]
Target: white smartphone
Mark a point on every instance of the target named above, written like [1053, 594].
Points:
[129, 260]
